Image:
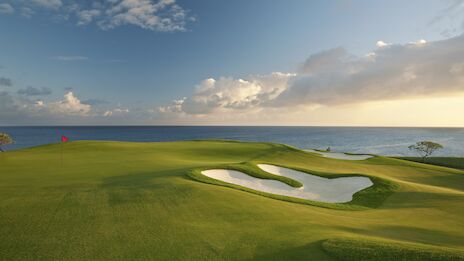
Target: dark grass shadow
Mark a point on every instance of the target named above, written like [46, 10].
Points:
[452, 181]
[141, 186]
[371, 249]
[311, 251]
[411, 199]
[408, 234]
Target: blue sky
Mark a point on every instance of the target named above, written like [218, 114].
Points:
[129, 69]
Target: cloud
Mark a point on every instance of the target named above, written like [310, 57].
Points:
[5, 82]
[156, 15]
[381, 44]
[27, 12]
[8, 106]
[229, 93]
[87, 16]
[20, 109]
[163, 15]
[33, 91]
[70, 58]
[70, 105]
[334, 77]
[52, 4]
[397, 72]
[116, 112]
[419, 42]
[323, 61]
[6, 8]
[450, 19]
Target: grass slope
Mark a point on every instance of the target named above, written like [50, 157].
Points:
[135, 201]
[368, 249]
[450, 162]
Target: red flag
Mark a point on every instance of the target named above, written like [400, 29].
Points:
[64, 138]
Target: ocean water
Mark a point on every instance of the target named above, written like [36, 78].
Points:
[381, 141]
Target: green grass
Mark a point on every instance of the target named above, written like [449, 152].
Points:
[451, 162]
[138, 201]
[368, 249]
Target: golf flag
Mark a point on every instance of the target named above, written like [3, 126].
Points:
[64, 138]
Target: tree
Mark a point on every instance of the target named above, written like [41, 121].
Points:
[5, 139]
[425, 148]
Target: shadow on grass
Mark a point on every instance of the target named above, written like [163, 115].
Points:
[407, 233]
[452, 181]
[141, 187]
[311, 251]
[411, 199]
[374, 249]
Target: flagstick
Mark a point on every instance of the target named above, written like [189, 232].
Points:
[61, 154]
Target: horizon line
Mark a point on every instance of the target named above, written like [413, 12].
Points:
[218, 125]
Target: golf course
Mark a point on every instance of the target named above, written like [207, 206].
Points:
[104, 200]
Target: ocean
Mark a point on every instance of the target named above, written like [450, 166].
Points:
[381, 141]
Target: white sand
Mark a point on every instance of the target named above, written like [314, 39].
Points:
[316, 188]
[340, 155]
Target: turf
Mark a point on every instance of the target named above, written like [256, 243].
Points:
[138, 201]
[451, 162]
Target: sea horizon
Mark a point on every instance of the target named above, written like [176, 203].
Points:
[387, 141]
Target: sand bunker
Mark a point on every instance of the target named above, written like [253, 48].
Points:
[340, 155]
[315, 188]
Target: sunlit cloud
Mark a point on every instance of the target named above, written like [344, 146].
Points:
[334, 78]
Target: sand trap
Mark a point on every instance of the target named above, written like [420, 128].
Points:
[340, 155]
[315, 188]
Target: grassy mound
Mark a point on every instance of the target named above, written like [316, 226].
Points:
[450, 162]
[135, 201]
[372, 250]
[371, 197]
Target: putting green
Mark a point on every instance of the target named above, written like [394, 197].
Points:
[145, 201]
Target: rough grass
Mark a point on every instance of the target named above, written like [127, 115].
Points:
[450, 162]
[135, 201]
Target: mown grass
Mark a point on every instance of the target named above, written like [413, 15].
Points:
[135, 201]
[450, 162]
[372, 250]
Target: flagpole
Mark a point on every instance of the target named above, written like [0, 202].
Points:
[61, 146]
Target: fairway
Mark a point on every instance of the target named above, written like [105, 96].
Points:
[148, 201]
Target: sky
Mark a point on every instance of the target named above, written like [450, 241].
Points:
[244, 62]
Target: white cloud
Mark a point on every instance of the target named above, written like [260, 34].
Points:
[381, 44]
[228, 93]
[396, 72]
[6, 8]
[21, 109]
[334, 77]
[419, 42]
[174, 107]
[70, 105]
[116, 112]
